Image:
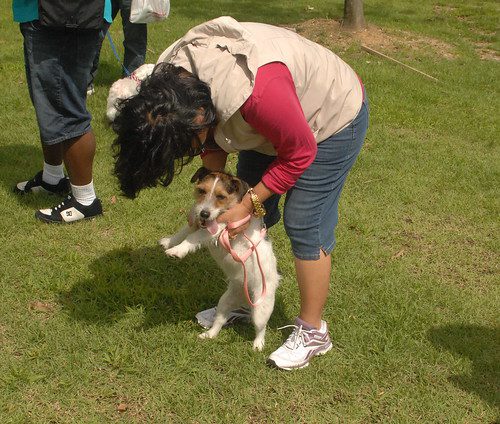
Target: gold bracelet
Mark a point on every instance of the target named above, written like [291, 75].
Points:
[258, 208]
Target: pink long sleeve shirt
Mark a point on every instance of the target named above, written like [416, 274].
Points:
[274, 111]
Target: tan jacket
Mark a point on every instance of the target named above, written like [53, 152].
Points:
[226, 54]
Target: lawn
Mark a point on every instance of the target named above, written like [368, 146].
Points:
[96, 324]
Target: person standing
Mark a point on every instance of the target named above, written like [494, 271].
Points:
[135, 40]
[57, 60]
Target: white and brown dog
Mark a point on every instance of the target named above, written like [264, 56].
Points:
[125, 88]
[215, 193]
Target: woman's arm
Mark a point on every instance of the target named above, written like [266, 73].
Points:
[245, 208]
[274, 111]
[212, 156]
[215, 160]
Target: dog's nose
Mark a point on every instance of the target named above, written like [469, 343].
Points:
[204, 214]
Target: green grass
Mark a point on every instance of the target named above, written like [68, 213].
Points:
[93, 315]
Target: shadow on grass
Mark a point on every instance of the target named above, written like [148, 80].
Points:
[164, 289]
[481, 345]
[107, 73]
[20, 162]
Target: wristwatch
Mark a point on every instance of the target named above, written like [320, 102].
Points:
[258, 208]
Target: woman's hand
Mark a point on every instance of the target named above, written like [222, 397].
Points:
[237, 213]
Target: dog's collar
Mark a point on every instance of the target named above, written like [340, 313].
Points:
[133, 77]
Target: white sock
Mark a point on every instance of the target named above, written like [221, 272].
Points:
[52, 174]
[84, 194]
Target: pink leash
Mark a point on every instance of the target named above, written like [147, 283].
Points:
[225, 242]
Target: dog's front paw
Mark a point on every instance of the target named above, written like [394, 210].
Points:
[258, 345]
[176, 252]
[165, 242]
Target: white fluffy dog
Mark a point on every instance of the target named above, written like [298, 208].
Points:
[125, 88]
[215, 193]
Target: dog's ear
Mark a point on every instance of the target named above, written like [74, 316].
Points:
[200, 174]
[239, 186]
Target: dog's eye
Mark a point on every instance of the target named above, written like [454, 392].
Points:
[221, 197]
[201, 192]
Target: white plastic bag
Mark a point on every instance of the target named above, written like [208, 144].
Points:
[146, 11]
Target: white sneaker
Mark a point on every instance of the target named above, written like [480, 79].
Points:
[301, 346]
[70, 210]
[90, 89]
[206, 318]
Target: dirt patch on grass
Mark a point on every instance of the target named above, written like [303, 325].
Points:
[485, 52]
[331, 34]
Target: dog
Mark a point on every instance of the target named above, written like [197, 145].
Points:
[215, 193]
[125, 88]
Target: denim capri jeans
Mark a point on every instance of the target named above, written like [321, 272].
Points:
[58, 64]
[311, 206]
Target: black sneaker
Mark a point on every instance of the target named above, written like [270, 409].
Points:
[69, 210]
[37, 185]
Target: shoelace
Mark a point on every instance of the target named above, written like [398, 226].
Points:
[297, 337]
[60, 205]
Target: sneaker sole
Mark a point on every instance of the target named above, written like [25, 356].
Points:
[49, 221]
[273, 364]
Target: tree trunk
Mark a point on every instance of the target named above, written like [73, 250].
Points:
[354, 18]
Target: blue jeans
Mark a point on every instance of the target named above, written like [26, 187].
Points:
[57, 64]
[311, 206]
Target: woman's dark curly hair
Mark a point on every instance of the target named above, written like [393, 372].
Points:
[158, 129]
